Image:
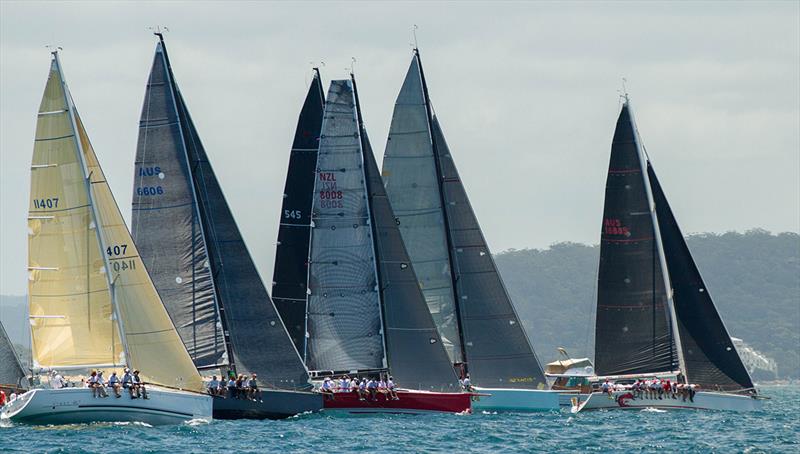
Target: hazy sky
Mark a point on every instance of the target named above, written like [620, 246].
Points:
[527, 94]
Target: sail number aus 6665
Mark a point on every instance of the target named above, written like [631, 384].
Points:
[42, 204]
[149, 190]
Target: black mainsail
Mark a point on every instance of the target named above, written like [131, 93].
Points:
[291, 256]
[189, 241]
[365, 309]
[452, 260]
[641, 327]
[632, 325]
[11, 372]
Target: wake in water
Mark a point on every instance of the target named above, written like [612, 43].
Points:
[653, 410]
[197, 422]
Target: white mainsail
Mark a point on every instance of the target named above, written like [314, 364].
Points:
[92, 303]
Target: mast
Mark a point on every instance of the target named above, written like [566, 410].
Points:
[372, 226]
[95, 216]
[659, 246]
[445, 217]
[220, 310]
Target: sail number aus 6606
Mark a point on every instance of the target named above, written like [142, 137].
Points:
[42, 204]
[149, 190]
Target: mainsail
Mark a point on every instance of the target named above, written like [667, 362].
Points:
[11, 372]
[641, 326]
[92, 303]
[452, 260]
[190, 240]
[355, 234]
[632, 332]
[289, 291]
[344, 325]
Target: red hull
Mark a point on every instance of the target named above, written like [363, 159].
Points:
[410, 401]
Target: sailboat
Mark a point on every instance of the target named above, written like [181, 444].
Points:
[189, 240]
[290, 276]
[12, 374]
[452, 260]
[655, 317]
[365, 314]
[92, 303]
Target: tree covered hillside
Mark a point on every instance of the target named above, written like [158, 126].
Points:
[753, 278]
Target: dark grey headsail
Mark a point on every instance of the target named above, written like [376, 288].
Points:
[632, 333]
[255, 337]
[415, 352]
[291, 256]
[710, 358]
[11, 372]
[419, 168]
[344, 326]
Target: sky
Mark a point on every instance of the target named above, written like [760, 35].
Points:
[527, 95]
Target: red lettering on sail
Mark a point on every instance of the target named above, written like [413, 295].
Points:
[614, 227]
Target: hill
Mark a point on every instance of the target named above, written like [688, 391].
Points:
[753, 278]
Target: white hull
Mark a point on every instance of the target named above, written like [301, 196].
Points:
[703, 400]
[77, 406]
[508, 399]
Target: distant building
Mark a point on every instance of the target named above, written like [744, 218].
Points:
[757, 363]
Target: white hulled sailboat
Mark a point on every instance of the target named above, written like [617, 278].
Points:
[655, 318]
[92, 303]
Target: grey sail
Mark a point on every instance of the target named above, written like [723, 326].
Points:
[344, 326]
[416, 356]
[410, 176]
[11, 372]
[166, 224]
[433, 207]
[497, 348]
[257, 339]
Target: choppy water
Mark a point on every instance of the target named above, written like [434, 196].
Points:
[776, 429]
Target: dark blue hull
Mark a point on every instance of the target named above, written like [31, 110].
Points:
[275, 404]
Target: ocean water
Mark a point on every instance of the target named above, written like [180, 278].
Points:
[776, 429]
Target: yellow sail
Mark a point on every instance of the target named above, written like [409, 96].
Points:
[148, 336]
[70, 305]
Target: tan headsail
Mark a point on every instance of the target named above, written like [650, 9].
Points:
[74, 291]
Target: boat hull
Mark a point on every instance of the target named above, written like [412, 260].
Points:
[509, 399]
[703, 400]
[275, 404]
[77, 406]
[410, 401]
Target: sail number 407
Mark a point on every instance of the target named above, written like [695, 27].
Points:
[117, 250]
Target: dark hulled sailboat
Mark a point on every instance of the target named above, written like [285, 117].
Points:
[365, 313]
[452, 260]
[189, 241]
[655, 316]
[290, 276]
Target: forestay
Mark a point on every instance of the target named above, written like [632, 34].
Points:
[343, 313]
[633, 333]
[257, 337]
[289, 291]
[90, 292]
